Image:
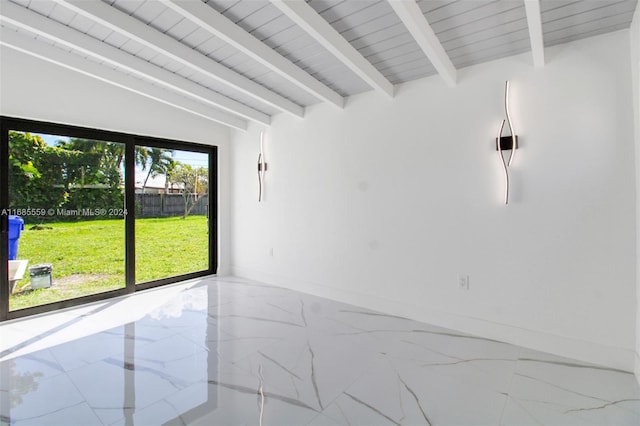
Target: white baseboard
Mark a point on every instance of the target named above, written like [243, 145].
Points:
[592, 352]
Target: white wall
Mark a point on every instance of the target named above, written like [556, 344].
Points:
[635, 75]
[385, 203]
[38, 90]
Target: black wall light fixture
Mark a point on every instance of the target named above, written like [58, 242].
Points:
[262, 168]
[506, 143]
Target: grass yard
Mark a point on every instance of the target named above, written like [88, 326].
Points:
[88, 257]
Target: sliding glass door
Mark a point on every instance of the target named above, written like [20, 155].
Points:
[172, 212]
[88, 214]
[66, 218]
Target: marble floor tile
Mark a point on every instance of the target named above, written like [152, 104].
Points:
[228, 351]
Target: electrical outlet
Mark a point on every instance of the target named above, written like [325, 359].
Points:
[463, 281]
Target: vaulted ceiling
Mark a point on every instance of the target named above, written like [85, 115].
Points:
[241, 61]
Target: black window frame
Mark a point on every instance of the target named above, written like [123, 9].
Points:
[130, 141]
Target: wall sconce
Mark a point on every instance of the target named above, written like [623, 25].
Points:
[506, 143]
[262, 168]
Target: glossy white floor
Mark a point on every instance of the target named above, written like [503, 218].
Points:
[233, 352]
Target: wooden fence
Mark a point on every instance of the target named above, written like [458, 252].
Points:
[166, 205]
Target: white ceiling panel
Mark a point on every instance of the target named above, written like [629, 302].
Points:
[491, 53]
[469, 31]
[44, 7]
[96, 31]
[62, 15]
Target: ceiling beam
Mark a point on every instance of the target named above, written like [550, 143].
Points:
[315, 25]
[38, 24]
[412, 18]
[534, 22]
[130, 27]
[223, 28]
[71, 61]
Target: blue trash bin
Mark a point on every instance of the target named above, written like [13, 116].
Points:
[16, 226]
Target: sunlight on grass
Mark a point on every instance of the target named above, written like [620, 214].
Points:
[88, 257]
[171, 246]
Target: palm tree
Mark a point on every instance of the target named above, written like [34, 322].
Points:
[160, 162]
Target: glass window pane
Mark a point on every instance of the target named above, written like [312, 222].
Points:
[66, 199]
[172, 211]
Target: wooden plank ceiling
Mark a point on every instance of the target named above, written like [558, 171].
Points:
[241, 61]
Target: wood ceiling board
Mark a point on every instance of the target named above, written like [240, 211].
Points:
[336, 76]
[428, 6]
[593, 15]
[222, 5]
[342, 9]
[127, 6]
[116, 39]
[210, 45]
[225, 52]
[146, 53]
[295, 44]
[370, 28]
[382, 36]
[493, 32]
[145, 12]
[182, 29]
[293, 48]
[322, 5]
[271, 28]
[458, 9]
[341, 67]
[469, 30]
[402, 61]
[492, 53]
[238, 61]
[43, 7]
[374, 11]
[132, 47]
[586, 29]
[108, 75]
[239, 10]
[387, 44]
[504, 40]
[259, 18]
[594, 32]
[174, 67]
[81, 23]
[551, 10]
[160, 60]
[99, 32]
[255, 72]
[397, 55]
[462, 62]
[546, 5]
[166, 20]
[416, 62]
[111, 57]
[207, 83]
[196, 39]
[236, 36]
[481, 17]
[273, 81]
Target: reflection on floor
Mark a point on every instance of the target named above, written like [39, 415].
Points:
[233, 352]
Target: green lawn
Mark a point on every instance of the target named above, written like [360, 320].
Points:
[88, 257]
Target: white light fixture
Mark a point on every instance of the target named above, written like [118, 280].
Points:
[262, 168]
[506, 143]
